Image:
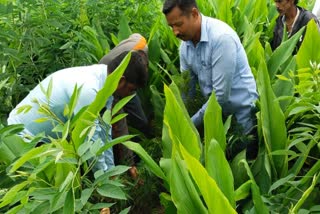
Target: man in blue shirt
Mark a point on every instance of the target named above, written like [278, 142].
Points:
[213, 54]
[91, 79]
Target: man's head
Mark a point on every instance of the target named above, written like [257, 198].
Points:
[134, 42]
[184, 18]
[284, 6]
[136, 74]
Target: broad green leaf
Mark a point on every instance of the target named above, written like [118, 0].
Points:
[151, 164]
[215, 199]
[69, 204]
[62, 172]
[273, 123]
[10, 130]
[178, 122]
[213, 125]
[9, 151]
[283, 87]
[124, 28]
[183, 191]
[44, 150]
[218, 168]
[166, 142]
[282, 54]
[111, 191]
[309, 49]
[259, 205]
[261, 169]
[238, 170]
[154, 45]
[83, 148]
[66, 182]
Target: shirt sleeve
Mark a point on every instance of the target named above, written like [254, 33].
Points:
[223, 66]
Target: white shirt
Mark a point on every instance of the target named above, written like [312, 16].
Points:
[90, 78]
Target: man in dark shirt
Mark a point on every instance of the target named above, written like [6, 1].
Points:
[291, 19]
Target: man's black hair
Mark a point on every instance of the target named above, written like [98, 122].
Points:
[137, 69]
[184, 5]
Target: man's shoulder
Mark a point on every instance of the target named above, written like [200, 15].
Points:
[306, 15]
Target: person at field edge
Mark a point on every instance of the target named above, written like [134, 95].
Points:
[91, 79]
[136, 116]
[213, 54]
[291, 19]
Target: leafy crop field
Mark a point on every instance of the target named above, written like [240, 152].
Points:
[181, 170]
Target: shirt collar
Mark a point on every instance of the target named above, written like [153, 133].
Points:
[283, 18]
[204, 33]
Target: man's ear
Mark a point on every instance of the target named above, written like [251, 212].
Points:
[195, 12]
[122, 82]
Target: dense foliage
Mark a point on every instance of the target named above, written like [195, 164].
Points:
[184, 170]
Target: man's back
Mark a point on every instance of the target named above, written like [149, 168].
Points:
[90, 78]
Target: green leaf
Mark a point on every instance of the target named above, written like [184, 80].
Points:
[243, 191]
[281, 182]
[125, 211]
[215, 199]
[114, 142]
[105, 176]
[99, 206]
[151, 164]
[259, 205]
[273, 123]
[73, 100]
[305, 194]
[282, 54]
[120, 104]
[309, 49]
[124, 29]
[69, 204]
[66, 182]
[183, 191]
[118, 117]
[213, 125]
[178, 122]
[111, 191]
[42, 151]
[218, 168]
[11, 194]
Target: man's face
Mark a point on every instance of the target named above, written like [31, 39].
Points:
[283, 6]
[182, 24]
[125, 88]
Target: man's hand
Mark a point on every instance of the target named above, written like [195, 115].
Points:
[105, 211]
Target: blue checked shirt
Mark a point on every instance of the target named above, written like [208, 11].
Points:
[219, 63]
